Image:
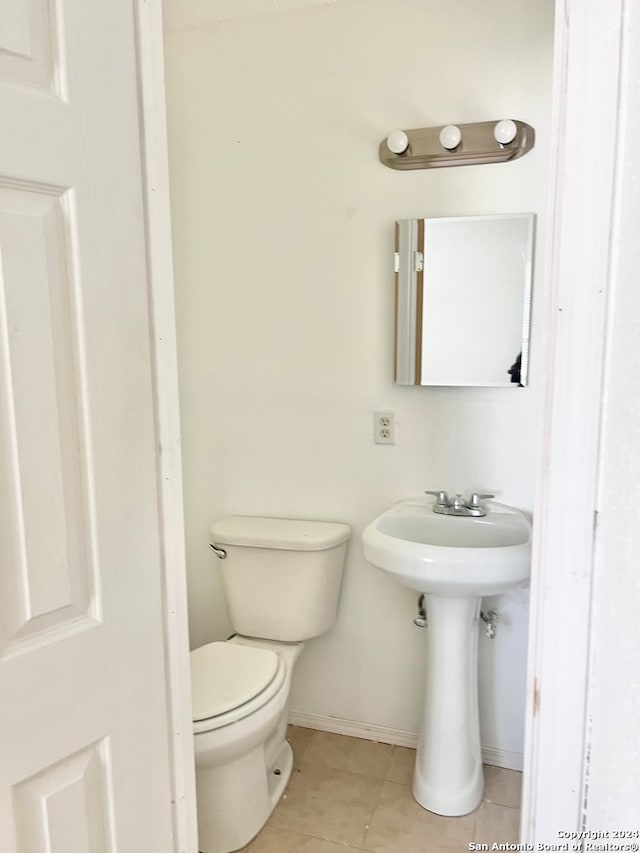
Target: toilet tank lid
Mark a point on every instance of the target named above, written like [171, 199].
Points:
[283, 533]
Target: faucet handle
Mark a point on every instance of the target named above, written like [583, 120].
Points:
[476, 497]
[442, 498]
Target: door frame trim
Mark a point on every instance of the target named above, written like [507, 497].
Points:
[154, 155]
[586, 88]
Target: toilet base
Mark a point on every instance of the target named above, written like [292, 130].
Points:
[239, 799]
[279, 775]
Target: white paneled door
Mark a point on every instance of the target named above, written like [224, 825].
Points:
[84, 757]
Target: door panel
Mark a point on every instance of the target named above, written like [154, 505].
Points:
[43, 462]
[67, 806]
[30, 44]
[84, 757]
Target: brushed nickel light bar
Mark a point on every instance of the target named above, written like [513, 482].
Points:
[457, 145]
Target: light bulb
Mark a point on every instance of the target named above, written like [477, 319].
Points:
[397, 141]
[450, 137]
[505, 131]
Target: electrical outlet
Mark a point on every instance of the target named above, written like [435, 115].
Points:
[384, 428]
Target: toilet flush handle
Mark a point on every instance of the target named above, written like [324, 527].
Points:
[219, 552]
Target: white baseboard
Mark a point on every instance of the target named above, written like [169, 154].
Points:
[502, 758]
[338, 726]
[397, 737]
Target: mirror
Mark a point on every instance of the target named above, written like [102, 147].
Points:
[463, 300]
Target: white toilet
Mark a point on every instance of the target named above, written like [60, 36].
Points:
[282, 581]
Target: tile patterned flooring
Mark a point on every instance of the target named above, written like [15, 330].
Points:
[351, 794]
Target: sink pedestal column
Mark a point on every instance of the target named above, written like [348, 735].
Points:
[448, 773]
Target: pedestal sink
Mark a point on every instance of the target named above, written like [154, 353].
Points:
[455, 561]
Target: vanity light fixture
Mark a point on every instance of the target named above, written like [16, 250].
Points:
[457, 145]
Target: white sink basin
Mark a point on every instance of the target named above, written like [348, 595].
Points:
[451, 556]
[456, 561]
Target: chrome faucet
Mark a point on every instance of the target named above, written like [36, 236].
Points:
[458, 505]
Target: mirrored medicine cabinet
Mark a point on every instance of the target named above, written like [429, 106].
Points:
[463, 300]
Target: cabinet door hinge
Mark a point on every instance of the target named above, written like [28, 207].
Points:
[418, 261]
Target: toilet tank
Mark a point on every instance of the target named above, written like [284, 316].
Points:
[281, 576]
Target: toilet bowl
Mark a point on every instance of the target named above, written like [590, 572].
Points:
[243, 760]
[282, 581]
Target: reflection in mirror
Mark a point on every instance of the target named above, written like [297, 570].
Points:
[463, 300]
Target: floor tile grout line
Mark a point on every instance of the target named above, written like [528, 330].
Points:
[307, 835]
[375, 806]
[384, 781]
[502, 805]
[319, 838]
[325, 838]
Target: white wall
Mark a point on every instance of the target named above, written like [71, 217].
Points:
[614, 702]
[283, 229]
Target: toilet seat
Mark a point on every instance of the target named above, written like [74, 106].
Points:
[230, 681]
